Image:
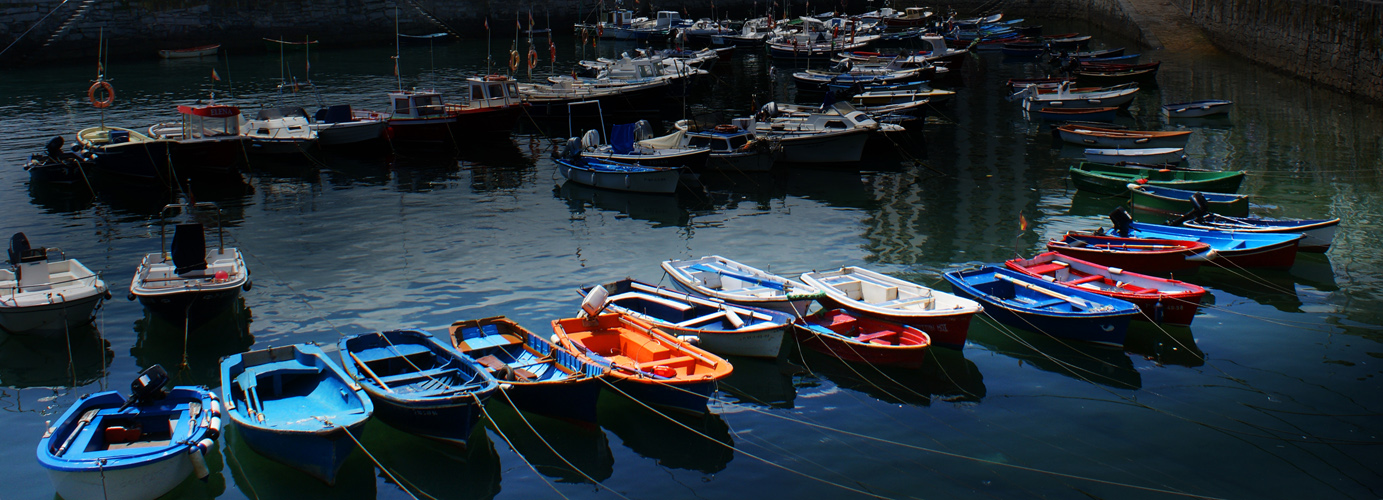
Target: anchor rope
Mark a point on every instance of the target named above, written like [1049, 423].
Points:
[515, 449]
[551, 448]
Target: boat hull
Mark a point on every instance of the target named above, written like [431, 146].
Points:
[1116, 183]
[842, 147]
[1143, 262]
[1101, 328]
[1172, 302]
[448, 420]
[336, 134]
[318, 454]
[1197, 109]
[151, 480]
[1117, 156]
[945, 330]
[567, 400]
[51, 318]
[1177, 202]
[651, 181]
[1233, 250]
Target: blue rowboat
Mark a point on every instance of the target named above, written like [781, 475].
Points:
[1232, 249]
[540, 376]
[720, 327]
[295, 406]
[1165, 200]
[106, 446]
[1030, 303]
[417, 383]
[1318, 232]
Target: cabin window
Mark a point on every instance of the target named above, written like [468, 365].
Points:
[428, 105]
[477, 93]
[496, 90]
[401, 107]
[646, 72]
[698, 141]
[835, 124]
[738, 141]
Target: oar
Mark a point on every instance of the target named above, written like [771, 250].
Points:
[742, 277]
[86, 419]
[368, 371]
[676, 344]
[1140, 247]
[1074, 301]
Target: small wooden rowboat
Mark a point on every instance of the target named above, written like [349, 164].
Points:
[1109, 138]
[106, 446]
[945, 317]
[1233, 249]
[1161, 300]
[1197, 108]
[724, 279]
[1087, 114]
[1317, 233]
[1114, 180]
[854, 337]
[1165, 200]
[1139, 156]
[646, 363]
[718, 326]
[418, 384]
[1142, 255]
[199, 51]
[542, 377]
[1030, 303]
[295, 406]
[619, 176]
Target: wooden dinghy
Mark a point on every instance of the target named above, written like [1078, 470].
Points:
[1233, 249]
[1109, 138]
[718, 326]
[1196, 109]
[190, 52]
[1105, 114]
[854, 337]
[1317, 233]
[724, 279]
[646, 363]
[945, 317]
[418, 384]
[1142, 255]
[541, 376]
[1161, 300]
[295, 406]
[1114, 180]
[1136, 156]
[1030, 303]
[1166, 200]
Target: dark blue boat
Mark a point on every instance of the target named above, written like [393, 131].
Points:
[417, 383]
[542, 377]
[1023, 301]
[294, 405]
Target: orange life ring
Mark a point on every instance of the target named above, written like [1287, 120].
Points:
[103, 103]
[532, 57]
[495, 78]
[726, 128]
[513, 60]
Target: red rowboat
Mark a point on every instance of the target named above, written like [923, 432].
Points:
[1161, 300]
[1143, 255]
[851, 337]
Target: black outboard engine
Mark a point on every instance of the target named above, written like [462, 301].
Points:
[1121, 220]
[54, 147]
[147, 387]
[1199, 208]
[569, 151]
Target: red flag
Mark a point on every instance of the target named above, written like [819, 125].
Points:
[1022, 222]
[487, 24]
[215, 76]
[552, 49]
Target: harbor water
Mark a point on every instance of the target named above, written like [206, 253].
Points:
[1273, 392]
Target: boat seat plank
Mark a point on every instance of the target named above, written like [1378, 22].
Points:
[881, 335]
[390, 352]
[1046, 268]
[699, 320]
[401, 378]
[839, 280]
[487, 342]
[674, 361]
[1085, 279]
[906, 301]
[680, 306]
[1047, 303]
[754, 291]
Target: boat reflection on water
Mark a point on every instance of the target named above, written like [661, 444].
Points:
[1164, 344]
[67, 198]
[438, 469]
[584, 446]
[945, 375]
[660, 209]
[1277, 288]
[44, 360]
[1093, 204]
[1085, 361]
[763, 382]
[213, 486]
[160, 341]
[351, 168]
[658, 436]
[260, 477]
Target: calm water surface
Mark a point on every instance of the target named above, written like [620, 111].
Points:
[1271, 394]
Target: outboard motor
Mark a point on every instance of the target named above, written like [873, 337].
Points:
[148, 386]
[54, 147]
[1121, 220]
[1199, 208]
[569, 150]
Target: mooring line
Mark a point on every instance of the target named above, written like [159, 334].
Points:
[381, 466]
[515, 448]
[549, 446]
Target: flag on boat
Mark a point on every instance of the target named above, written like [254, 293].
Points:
[215, 76]
[487, 23]
[1022, 222]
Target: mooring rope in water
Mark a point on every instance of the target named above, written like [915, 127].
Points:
[549, 446]
[243, 476]
[515, 449]
[372, 457]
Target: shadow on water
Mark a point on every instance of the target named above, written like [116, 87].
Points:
[160, 341]
[438, 469]
[1079, 360]
[945, 375]
[54, 198]
[1276, 288]
[260, 477]
[1094, 204]
[662, 210]
[763, 382]
[658, 435]
[584, 446]
[45, 360]
[1164, 344]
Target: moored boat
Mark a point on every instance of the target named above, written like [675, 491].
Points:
[1082, 135]
[190, 52]
[1030, 303]
[540, 376]
[339, 124]
[614, 175]
[646, 363]
[724, 279]
[417, 383]
[187, 279]
[280, 131]
[625, 146]
[1105, 114]
[1114, 180]
[851, 336]
[718, 326]
[1144, 255]
[111, 447]
[126, 153]
[1233, 249]
[38, 294]
[945, 317]
[1195, 109]
[1165, 200]
[1065, 98]
[733, 148]
[56, 166]
[1317, 233]
[809, 134]
[493, 106]
[308, 414]
[205, 140]
[1161, 300]
[1136, 156]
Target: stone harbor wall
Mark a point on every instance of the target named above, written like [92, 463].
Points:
[1337, 43]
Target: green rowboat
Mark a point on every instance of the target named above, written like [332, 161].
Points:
[1112, 180]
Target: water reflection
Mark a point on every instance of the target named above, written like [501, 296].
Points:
[54, 361]
[160, 341]
[945, 375]
[1079, 360]
[344, 169]
[765, 382]
[1095, 205]
[54, 198]
[659, 436]
[1164, 344]
[438, 469]
[1276, 288]
[260, 477]
[214, 485]
[660, 209]
[536, 437]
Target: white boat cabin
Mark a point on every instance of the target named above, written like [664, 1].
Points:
[492, 91]
[417, 104]
[199, 122]
[668, 19]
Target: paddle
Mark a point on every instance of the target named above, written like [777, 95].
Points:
[369, 372]
[1074, 301]
[86, 419]
[742, 277]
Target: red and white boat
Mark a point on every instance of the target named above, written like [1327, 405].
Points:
[945, 317]
[854, 337]
[1161, 300]
[493, 106]
[198, 51]
[1142, 254]
[206, 139]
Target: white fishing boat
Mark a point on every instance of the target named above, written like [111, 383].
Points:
[185, 278]
[719, 327]
[339, 124]
[810, 134]
[1142, 156]
[724, 279]
[280, 131]
[733, 147]
[42, 295]
[1065, 98]
[944, 316]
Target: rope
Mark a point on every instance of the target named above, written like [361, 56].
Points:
[372, 457]
[550, 448]
[516, 449]
[31, 28]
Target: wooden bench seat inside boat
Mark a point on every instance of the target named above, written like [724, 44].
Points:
[410, 377]
[485, 336]
[680, 306]
[927, 302]
[1084, 279]
[1047, 268]
[397, 351]
[1043, 304]
[670, 362]
[885, 337]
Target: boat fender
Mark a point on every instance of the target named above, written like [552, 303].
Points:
[664, 371]
[130, 296]
[214, 426]
[249, 283]
[505, 387]
[1157, 311]
[215, 406]
[690, 339]
[195, 453]
[104, 102]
